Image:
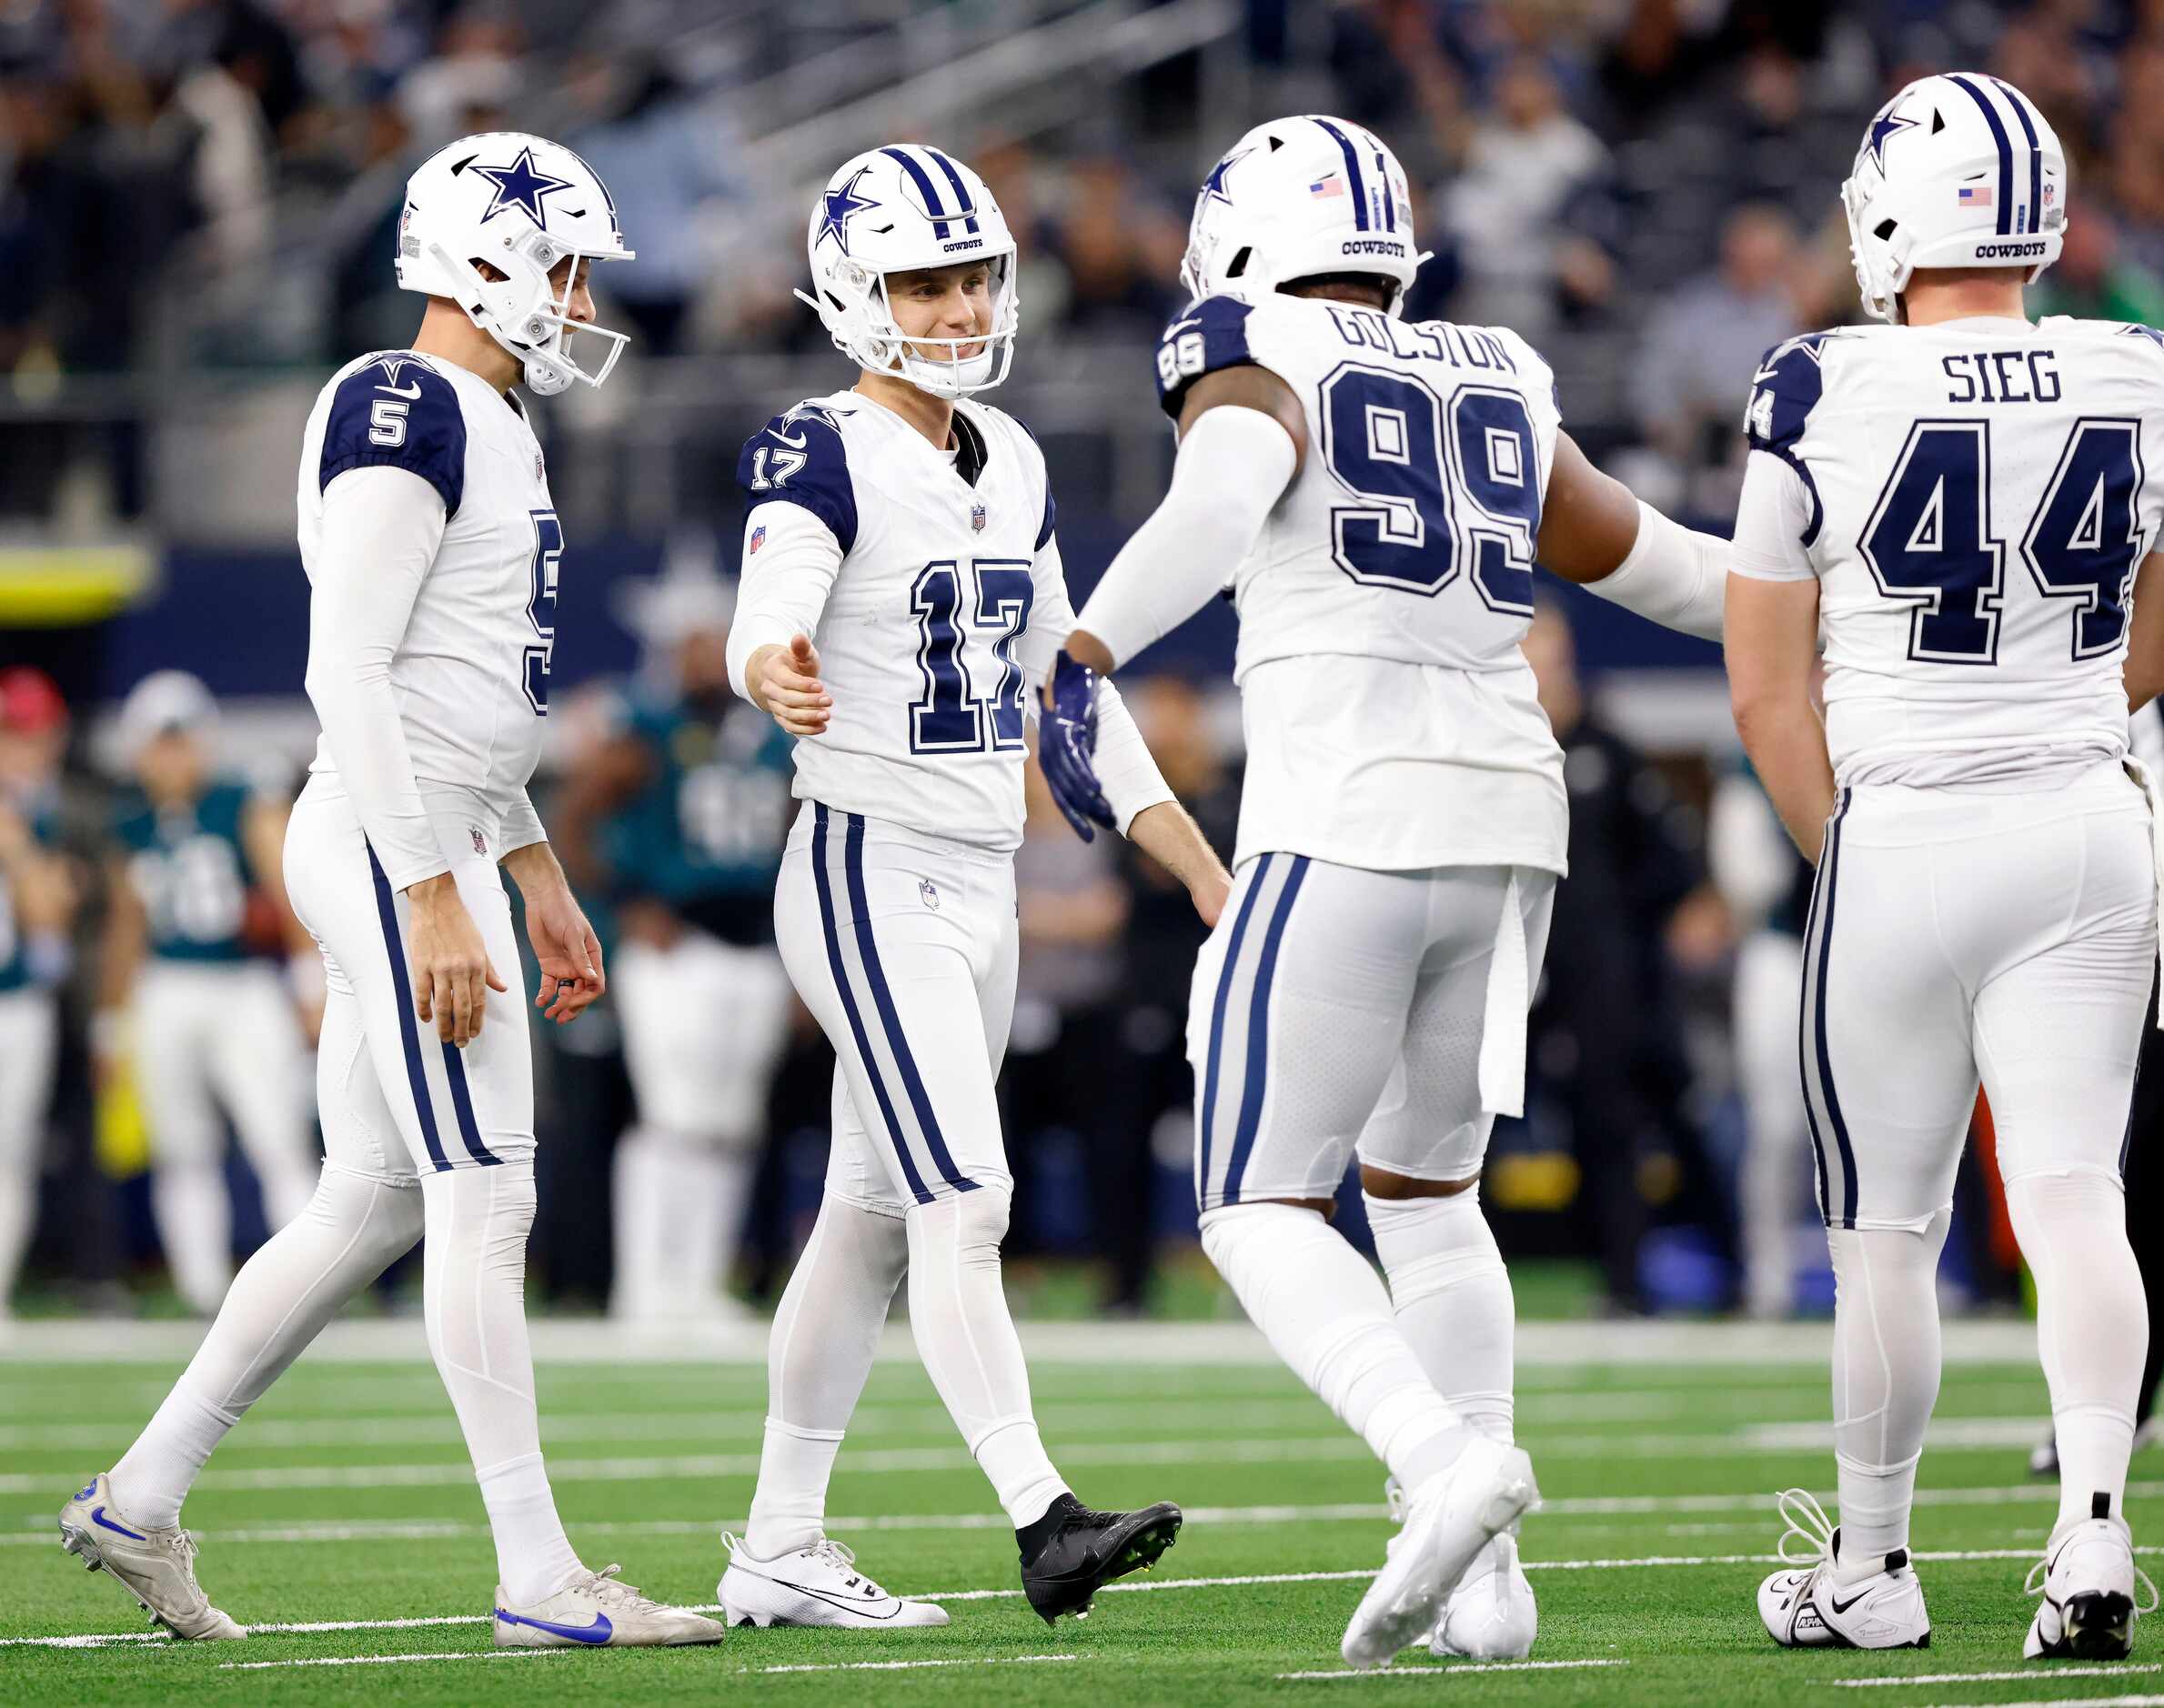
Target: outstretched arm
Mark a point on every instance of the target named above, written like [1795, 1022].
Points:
[1242, 436]
[1595, 532]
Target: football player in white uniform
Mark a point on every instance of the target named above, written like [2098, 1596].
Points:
[1957, 502]
[1375, 494]
[431, 548]
[901, 593]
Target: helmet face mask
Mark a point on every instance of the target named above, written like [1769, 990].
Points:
[1299, 199]
[907, 210]
[1959, 170]
[518, 204]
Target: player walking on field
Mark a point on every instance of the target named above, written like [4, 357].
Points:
[902, 595]
[1375, 494]
[431, 546]
[1959, 502]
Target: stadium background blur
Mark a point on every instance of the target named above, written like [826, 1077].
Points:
[197, 207]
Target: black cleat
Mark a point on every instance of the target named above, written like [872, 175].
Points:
[1069, 1552]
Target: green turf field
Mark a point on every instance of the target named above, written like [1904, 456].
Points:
[345, 1503]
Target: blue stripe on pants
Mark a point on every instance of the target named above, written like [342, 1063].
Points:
[1208, 1123]
[454, 1068]
[882, 998]
[408, 1027]
[849, 1004]
[1258, 1033]
[1831, 859]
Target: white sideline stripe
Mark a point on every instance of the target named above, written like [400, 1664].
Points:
[391, 1660]
[905, 1666]
[2115, 1671]
[2068, 1701]
[1451, 1672]
[40, 1534]
[93, 1640]
[1974, 1435]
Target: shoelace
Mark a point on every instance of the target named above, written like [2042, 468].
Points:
[839, 1555]
[1808, 1524]
[2034, 1584]
[606, 1586]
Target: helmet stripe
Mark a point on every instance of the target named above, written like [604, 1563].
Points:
[932, 204]
[2019, 103]
[962, 199]
[1353, 178]
[2005, 149]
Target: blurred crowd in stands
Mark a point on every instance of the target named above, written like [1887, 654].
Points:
[1647, 189]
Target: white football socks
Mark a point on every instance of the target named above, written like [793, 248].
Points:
[474, 1299]
[2092, 1326]
[1452, 1299]
[958, 1312]
[345, 1235]
[1886, 1381]
[818, 1357]
[1326, 1313]
[18, 1208]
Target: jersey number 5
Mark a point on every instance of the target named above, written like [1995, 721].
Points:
[540, 608]
[1424, 469]
[952, 716]
[1929, 540]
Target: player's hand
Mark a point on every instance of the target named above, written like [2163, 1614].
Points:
[572, 976]
[452, 975]
[784, 683]
[1067, 746]
[1209, 890]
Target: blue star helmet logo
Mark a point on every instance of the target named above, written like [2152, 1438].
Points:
[1213, 185]
[837, 205]
[1883, 128]
[521, 184]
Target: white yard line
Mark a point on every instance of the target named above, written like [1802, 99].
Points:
[393, 1660]
[2034, 1672]
[905, 1666]
[1451, 1672]
[2066, 1702]
[1974, 1435]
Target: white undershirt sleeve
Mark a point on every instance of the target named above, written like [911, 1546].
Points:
[1673, 576]
[1772, 515]
[381, 529]
[790, 559]
[1233, 465]
[1125, 770]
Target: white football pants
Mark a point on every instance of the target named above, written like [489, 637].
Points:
[29, 1042]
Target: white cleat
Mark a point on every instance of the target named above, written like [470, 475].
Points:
[1805, 1606]
[599, 1611]
[819, 1586]
[157, 1567]
[2087, 1578]
[1490, 1617]
[1448, 1521]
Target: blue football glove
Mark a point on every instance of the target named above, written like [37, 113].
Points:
[1067, 747]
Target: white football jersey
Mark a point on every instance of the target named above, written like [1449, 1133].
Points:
[947, 599]
[471, 673]
[1973, 498]
[1391, 721]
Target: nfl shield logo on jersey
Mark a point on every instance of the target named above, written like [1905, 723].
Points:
[925, 887]
[759, 538]
[977, 517]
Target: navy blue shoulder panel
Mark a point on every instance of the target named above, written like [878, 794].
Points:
[397, 412]
[798, 458]
[1209, 335]
[1785, 390]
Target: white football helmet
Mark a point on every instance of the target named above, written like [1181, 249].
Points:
[894, 210]
[1298, 197]
[1956, 170]
[521, 204]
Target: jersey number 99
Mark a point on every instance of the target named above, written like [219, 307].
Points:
[1435, 478]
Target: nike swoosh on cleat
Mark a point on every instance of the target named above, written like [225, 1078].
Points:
[413, 390]
[97, 1516]
[1842, 1607]
[601, 1631]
